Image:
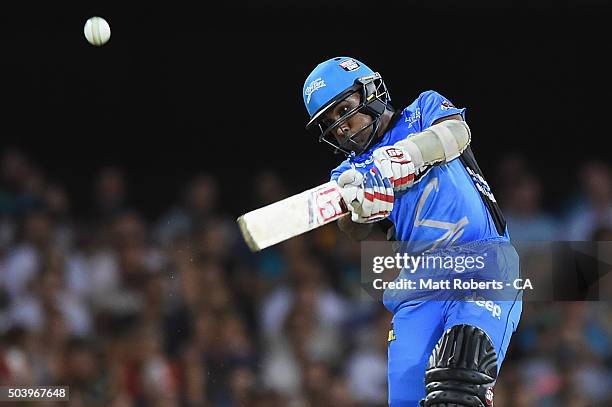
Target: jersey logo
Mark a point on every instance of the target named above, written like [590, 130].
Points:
[490, 306]
[481, 184]
[414, 117]
[314, 85]
[453, 230]
[446, 105]
[364, 164]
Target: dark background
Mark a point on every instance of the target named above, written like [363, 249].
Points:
[178, 90]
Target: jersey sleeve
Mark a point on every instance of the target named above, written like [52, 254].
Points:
[434, 106]
[335, 173]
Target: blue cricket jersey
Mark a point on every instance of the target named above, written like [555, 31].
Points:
[448, 202]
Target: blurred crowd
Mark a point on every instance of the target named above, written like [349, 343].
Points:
[176, 311]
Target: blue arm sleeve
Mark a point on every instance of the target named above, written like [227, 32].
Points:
[435, 106]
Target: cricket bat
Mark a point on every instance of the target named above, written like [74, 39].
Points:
[323, 204]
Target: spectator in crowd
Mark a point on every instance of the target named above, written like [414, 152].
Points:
[58, 205]
[512, 166]
[197, 207]
[16, 171]
[268, 188]
[366, 367]
[519, 191]
[307, 282]
[21, 190]
[594, 208]
[110, 193]
[523, 211]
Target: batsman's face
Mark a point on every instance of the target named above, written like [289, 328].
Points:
[352, 133]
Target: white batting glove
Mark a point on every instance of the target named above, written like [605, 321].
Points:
[369, 197]
[395, 163]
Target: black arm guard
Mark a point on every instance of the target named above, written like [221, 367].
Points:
[462, 369]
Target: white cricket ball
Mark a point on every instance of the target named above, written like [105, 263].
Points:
[97, 31]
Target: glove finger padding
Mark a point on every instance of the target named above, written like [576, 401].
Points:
[387, 196]
[350, 183]
[395, 164]
[385, 166]
[406, 178]
[350, 177]
[378, 198]
[367, 204]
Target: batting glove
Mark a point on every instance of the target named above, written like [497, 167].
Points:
[368, 196]
[394, 163]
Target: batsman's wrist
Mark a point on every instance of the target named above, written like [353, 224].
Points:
[356, 231]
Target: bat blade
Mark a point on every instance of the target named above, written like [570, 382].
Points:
[292, 216]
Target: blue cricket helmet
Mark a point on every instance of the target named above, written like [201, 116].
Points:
[329, 79]
[334, 80]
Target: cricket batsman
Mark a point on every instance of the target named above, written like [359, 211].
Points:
[446, 349]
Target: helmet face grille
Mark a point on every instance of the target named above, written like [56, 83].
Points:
[374, 101]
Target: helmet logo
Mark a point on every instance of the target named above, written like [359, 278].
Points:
[314, 85]
[349, 65]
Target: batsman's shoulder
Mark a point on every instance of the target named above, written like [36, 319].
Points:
[430, 93]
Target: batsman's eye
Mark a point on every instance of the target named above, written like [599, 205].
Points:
[326, 123]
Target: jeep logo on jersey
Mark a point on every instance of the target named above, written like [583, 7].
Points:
[489, 397]
[314, 85]
[395, 153]
[349, 65]
[490, 306]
